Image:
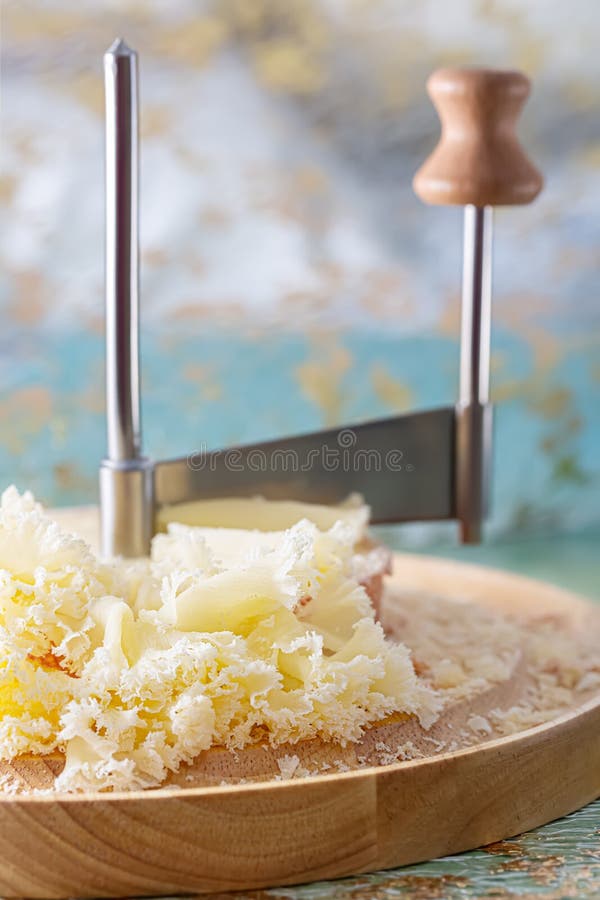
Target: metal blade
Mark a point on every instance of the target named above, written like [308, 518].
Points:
[403, 466]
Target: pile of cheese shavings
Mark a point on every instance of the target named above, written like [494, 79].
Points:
[131, 668]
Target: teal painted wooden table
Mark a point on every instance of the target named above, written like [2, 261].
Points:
[556, 862]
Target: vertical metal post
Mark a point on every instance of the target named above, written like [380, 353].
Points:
[476, 305]
[126, 496]
[122, 275]
[474, 414]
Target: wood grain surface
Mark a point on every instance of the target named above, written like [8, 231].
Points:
[273, 833]
[478, 159]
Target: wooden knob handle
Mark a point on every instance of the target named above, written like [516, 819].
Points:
[479, 159]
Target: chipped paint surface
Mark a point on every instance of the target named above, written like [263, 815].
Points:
[290, 278]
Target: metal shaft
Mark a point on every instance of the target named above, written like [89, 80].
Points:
[126, 478]
[476, 305]
[122, 276]
[473, 412]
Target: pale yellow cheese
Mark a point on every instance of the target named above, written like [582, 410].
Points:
[258, 514]
[222, 637]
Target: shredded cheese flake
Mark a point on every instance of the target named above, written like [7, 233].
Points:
[222, 637]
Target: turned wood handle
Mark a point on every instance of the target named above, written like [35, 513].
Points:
[478, 159]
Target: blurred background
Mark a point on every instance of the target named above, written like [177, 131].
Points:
[290, 278]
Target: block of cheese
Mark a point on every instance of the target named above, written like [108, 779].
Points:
[258, 514]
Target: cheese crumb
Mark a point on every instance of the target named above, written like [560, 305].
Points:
[288, 766]
[222, 637]
[479, 724]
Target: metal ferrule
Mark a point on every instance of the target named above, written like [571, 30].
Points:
[126, 507]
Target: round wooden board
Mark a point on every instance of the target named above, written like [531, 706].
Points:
[235, 837]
